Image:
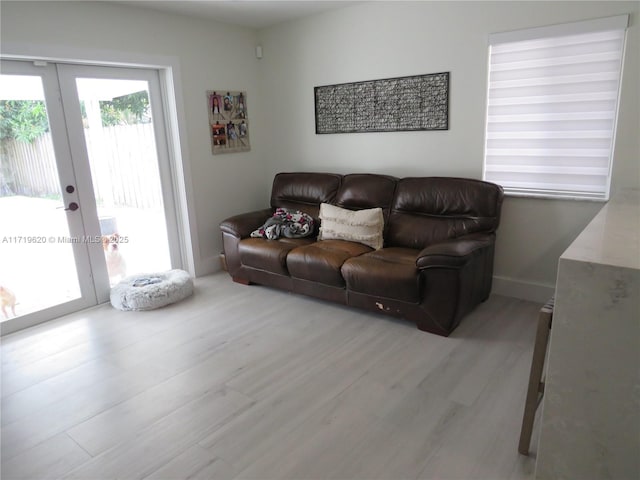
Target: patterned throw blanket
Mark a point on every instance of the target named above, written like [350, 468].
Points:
[286, 223]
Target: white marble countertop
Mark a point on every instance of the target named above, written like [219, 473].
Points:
[591, 408]
[613, 236]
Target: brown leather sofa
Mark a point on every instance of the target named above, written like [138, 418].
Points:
[436, 264]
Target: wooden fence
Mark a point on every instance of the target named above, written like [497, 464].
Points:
[123, 161]
[30, 168]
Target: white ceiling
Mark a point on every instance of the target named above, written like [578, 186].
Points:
[246, 13]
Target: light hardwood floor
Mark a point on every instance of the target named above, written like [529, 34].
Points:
[248, 382]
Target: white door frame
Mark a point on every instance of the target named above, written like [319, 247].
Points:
[67, 75]
[66, 176]
[174, 172]
[169, 69]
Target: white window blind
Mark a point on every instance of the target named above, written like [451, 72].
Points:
[552, 106]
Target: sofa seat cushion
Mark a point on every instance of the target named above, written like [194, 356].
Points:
[389, 273]
[269, 255]
[321, 261]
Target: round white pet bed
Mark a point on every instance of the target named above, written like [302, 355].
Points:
[153, 290]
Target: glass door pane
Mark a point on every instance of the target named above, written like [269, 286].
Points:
[40, 241]
[121, 147]
[86, 193]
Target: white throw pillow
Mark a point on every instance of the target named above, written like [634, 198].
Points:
[361, 226]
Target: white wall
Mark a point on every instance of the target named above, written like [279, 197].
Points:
[209, 55]
[362, 42]
[392, 39]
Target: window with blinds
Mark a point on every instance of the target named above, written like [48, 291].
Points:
[552, 106]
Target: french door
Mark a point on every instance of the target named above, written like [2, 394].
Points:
[85, 186]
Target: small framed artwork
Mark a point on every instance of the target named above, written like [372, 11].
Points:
[228, 121]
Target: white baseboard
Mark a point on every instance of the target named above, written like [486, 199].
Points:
[510, 287]
[207, 266]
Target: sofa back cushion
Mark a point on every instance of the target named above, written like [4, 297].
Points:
[304, 191]
[360, 191]
[428, 210]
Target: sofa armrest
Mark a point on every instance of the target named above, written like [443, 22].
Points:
[242, 225]
[454, 253]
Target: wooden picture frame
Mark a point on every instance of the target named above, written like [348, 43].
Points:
[228, 121]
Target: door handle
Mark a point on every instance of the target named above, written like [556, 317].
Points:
[73, 206]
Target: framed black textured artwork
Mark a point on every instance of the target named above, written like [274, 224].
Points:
[419, 102]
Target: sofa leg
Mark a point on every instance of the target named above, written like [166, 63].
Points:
[242, 281]
[432, 327]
